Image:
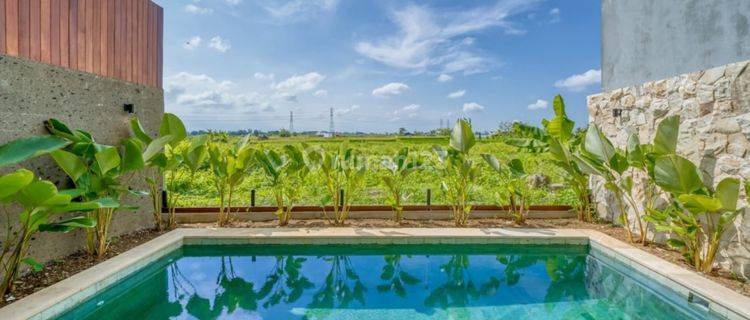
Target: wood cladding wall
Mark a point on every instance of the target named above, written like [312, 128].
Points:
[114, 38]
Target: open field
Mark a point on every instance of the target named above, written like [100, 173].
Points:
[199, 191]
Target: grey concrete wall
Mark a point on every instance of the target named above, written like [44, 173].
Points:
[714, 110]
[645, 40]
[31, 92]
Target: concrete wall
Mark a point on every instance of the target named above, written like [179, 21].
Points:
[645, 40]
[714, 109]
[31, 92]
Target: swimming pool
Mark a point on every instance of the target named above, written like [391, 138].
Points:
[383, 274]
[435, 281]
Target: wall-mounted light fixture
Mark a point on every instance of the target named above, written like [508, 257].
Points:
[129, 108]
[616, 113]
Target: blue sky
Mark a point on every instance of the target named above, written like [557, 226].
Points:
[380, 64]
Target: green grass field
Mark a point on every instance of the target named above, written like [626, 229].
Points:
[199, 190]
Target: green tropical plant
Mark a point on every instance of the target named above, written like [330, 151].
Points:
[229, 166]
[699, 213]
[99, 171]
[642, 157]
[159, 157]
[343, 172]
[285, 173]
[394, 177]
[599, 157]
[558, 138]
[39, 201]
[458, 171]
[190, 156]
[514, 186]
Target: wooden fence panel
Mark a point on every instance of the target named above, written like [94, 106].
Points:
[114, 38]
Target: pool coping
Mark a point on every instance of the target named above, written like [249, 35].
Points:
[54, 300]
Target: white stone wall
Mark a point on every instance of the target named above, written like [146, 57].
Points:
[714, 106]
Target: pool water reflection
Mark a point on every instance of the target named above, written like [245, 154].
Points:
[380, 282]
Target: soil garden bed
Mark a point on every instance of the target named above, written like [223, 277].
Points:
[60, 269]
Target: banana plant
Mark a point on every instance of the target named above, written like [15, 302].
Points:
[99, 171]
[597, 156]
[343, 172]
[229, 166]
[186, 158]
[285, 173]
[558, 138]
[160, 158]
[514, 186]
[394, 177]
[458, 172]
[642, 157]
[39, 201]
[698, 210]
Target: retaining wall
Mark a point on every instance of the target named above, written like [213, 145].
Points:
[714, 109]
[32, 92]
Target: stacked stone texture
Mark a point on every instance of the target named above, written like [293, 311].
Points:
[714, 106]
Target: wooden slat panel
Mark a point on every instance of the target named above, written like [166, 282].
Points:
[111, 39]
[23, 28]
[119, 47]
[81, 35]
[2, 27]
[11, 27]
[141, 50]
[152, 44]
[44, 30]
[103, 34]
[96, 36]
[160, 46]
[90, 35]
[115, 38]
[73, 26]
[35, 33]
[54, 32]
[64, 33]
[130, 19]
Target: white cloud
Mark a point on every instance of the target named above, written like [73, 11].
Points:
[438, 40]
[321, 93]
[579, 82]
[410, 111]
[192, 43]
[554, 15]
[539, 104]
[264, 76]
[187, 90]
[296, 84]
[191, 8]
[298, 7]
[444, 77]
[345, 111]
[233, 2]
[391, 89]
[220, 44]
[457, 94]
[472, 106]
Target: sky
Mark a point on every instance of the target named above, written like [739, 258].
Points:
[380, 64]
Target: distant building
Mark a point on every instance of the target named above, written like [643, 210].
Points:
[325, 134]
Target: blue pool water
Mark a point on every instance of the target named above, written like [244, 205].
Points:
[383, 282]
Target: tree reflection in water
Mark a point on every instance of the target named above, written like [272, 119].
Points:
[232, 293]
[341, 287]
[285, 282]
[395, 278]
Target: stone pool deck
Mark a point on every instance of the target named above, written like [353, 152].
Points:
[54, 300]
